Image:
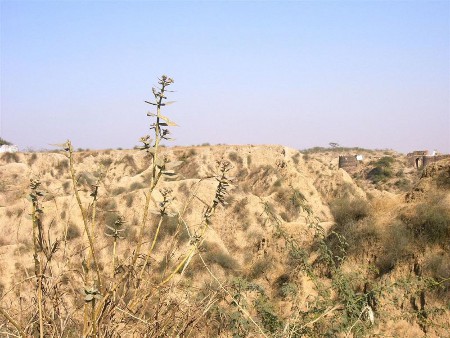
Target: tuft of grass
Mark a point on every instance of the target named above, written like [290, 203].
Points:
[32, 159]
[397, 245]
[129, 200]
[431, 221]
[118, 191]
[72, 231]
[347, 210]
[214, 255]
[136, 186]
[106, 162]
[10, 158]
[260, 268]
[62, 167]
[233, 156]
[107, 204]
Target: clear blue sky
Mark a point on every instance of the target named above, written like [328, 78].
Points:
[373, 74]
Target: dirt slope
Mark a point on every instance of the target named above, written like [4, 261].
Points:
[386, 242]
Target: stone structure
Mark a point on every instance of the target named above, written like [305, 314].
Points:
[348, 162]
[9, 149]
[420, 158]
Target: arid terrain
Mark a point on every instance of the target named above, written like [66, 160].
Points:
[297, 247]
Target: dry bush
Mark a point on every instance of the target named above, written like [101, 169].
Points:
[73, 231]
[10, 158]
[234, 157]
[430, 222]
[118, 191]
[397, 245]
[136, 186]
[62, 167]
[348, 210]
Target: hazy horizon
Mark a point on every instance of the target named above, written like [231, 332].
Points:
[370, 74]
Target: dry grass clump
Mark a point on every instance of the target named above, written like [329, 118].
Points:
[118, 191]
[348, 210]
[234, 157]
[430, 221]
[213, 254]
[10, 158]
[136, 186]
[62, 167]
[189, 168]
[260, 268]
[73, 231]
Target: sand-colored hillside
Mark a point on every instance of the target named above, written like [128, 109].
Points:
[283, 209]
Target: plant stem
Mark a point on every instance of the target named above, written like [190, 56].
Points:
[83, 213]
[13, 322]
[38, 262]
[151, 248]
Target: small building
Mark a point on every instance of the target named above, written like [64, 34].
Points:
[420, 158]
[9, 149]
[348, 162]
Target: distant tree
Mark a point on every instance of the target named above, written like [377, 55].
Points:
[4, 142]
[333, 144]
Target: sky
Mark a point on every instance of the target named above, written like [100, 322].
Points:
[372, 74]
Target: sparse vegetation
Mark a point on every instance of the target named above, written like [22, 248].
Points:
[10, 157]
[152, 261]
[136, 186]
[4, 142]
[382, 170]
[72, 231]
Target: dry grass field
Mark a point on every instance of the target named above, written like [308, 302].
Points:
[298, 248]
[222, 241]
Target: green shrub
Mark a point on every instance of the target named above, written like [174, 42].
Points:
[382, 170]
[86, 178]
[267, 314]
[379, 174]
[4, 142]
[284, 287]
[385, 161]
[438, 267]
